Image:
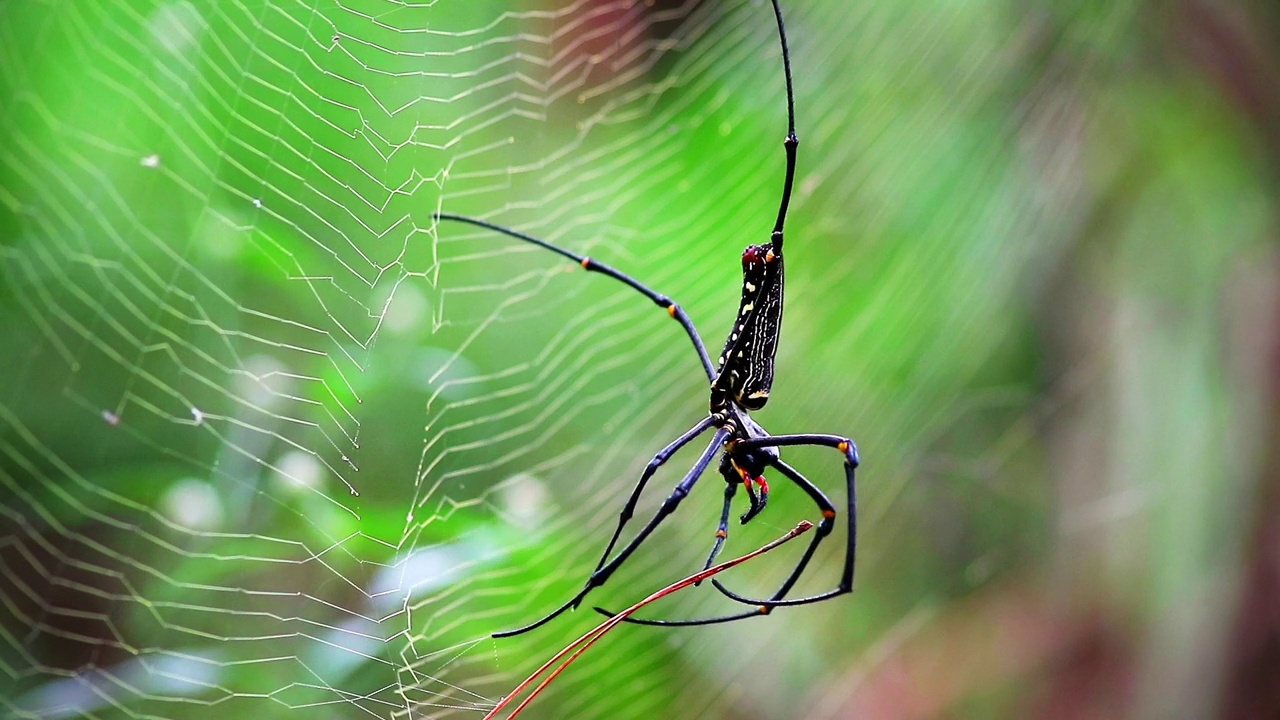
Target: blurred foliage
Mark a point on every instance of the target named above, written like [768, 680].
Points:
[272, 439]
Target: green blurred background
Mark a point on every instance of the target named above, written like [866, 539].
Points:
[273, 443]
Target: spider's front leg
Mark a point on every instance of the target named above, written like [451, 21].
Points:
[849, 451]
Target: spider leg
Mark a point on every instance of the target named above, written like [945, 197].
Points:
[825, 526]
[733, 477]
[600, 576]
[792, 140]
[722, 531]
[662, 301]
[762, 610]
[663, 455]
[846, 448]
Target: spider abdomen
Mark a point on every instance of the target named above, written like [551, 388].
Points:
[745, 372]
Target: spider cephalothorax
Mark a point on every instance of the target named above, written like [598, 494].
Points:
[740, 383]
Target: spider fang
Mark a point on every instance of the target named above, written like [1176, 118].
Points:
[759, 481]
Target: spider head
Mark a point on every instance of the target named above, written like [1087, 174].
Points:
[749, 465]
[753, 462]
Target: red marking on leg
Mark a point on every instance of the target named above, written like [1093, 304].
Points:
[586, 263]
[721, 534]
[764, 485]
[828, 514]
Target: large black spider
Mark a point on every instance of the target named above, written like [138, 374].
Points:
[739, 385]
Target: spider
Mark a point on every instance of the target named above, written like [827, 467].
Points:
[740, 383]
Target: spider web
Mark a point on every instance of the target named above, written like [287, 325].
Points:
[273, 439]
